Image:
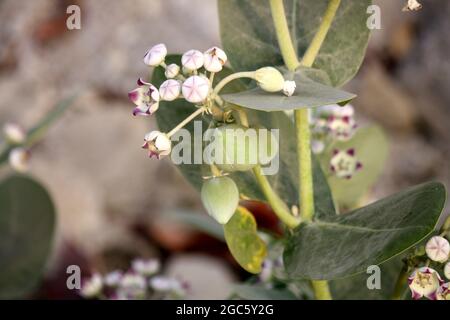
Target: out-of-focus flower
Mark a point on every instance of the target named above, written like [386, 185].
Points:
[317, 146]
[289, 88]
[344, 163]
[447, 270]
[342, 128]
[172, 70]
[155, 55]
[146, 98]
[132, 286]
[266, 270]
[170, 90]
[269, 79]
[196, 89]
[214, 59]
[192, 60]
[438, 249]
[167, 285]
[113, 279]
[92, 287]
[146, 267]
[14, 133]
[158, 144]
[443, 292]
[424, 282]
[412, 5]
[19, 159]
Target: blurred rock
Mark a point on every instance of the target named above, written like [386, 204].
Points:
[208, 278]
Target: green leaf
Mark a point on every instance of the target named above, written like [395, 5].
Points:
[249, 38]
[371, 147]
[355, 288]
[308, 94]
[241, 235]
[27, 222]
[249, 292]
[344, 245]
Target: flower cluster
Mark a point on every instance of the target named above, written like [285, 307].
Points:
[192, 80]
[141, 282]
[425, 281]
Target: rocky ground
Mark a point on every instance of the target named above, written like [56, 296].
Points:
[102, 182]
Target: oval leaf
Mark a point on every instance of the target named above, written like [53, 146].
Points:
[308, 94]
[345, 245]
[249, 38]
[242, 238]
[27, 221]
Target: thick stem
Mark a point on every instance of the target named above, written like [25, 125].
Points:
[399, 289]
[278, 206]
[306, 195]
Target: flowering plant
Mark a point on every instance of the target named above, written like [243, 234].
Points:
[325, 162]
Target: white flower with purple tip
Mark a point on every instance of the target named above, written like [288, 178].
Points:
[14, 133]
[113, 279]
[424, 282]
[172, 70]
[192, 60]
[344, 164]
[214, 59]
[341, 128]
[158, 144]
[92, 287]
[155, 55]
[438, 249]
[146, 267]
[196, 89]
[132, 286]
[146, 98]
[19, 159]
[170, 90]
[443, 292]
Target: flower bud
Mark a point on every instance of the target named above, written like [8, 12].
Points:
[158, 144]
[444, 292]
[14, 133]
[344, 163]
[19, 159]
[269, 79]
[424, 282]
[289, 88]
[412, 5]
[196, 89]
[214, 59]
[438, 249]
[156, 55]
[317, 146]
[172, 70]
[170, 90]
[146, 267]
[220, 196]
[92, 287]
[192, 60]
[447, 270]
[133, 286]
[146, 98]
[166, 285]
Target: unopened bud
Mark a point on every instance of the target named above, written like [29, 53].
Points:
[269, 79]
[172, 71]
[220, 196]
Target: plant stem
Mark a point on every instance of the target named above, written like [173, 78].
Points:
[186, 121]
[399, 289]
[277, 204]
[306, 193]
[231, 77]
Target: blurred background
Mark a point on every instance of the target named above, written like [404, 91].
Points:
[112, 201]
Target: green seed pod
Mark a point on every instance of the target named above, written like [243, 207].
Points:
[269, 79]
[220, 196]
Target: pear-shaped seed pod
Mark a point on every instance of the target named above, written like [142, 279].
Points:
[220, 196]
